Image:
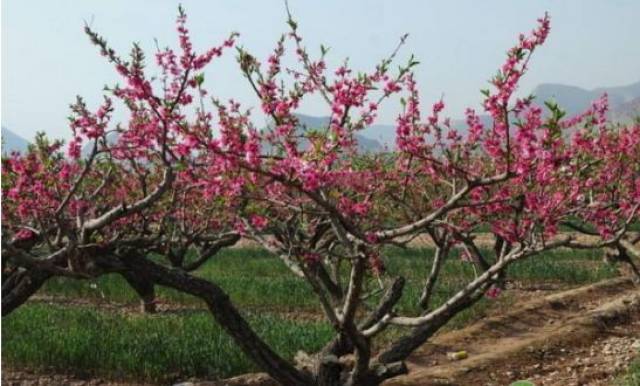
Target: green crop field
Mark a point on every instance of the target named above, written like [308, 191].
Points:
[95, 328]
[632, 376]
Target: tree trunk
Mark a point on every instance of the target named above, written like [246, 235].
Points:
[225, 314]
[145, 289]
[402, 347]
[19, 287]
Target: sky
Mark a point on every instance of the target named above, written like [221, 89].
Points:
[47, 60]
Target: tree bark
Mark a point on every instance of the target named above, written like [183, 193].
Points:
[144, 288]
[624, 251]
[427, 291]
[404, 346]
[19, 287]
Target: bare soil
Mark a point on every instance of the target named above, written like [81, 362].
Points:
[25, 378]
[584, 336]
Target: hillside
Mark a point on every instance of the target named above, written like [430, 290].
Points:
[365, 143]
[12, 142]
[624, 106]
[627, 111]
[575, 99]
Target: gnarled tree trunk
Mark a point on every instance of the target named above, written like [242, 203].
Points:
[225, 314]
[18, 287]
[144, 288]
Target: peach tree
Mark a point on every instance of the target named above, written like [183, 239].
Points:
[191, 174]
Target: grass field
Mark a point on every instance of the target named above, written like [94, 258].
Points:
[157, 348]
[118, 343]
[632, 377]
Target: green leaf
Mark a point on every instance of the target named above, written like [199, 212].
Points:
[551, 105]
[522, 383]
[199, 79]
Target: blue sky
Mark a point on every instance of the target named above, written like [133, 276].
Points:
[47, 60]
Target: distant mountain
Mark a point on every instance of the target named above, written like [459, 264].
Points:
[112, 139]
[384, 134]
[12, 142]
[365, 143]
[575, 99]
[627, 111]
[621, 94]
[624, 103]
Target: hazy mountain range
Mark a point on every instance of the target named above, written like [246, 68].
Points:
[365, 142]
[12, 142]
[624, 103]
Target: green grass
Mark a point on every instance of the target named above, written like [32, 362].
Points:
[159, 348]
[560, 266]
[253, 278]
[563, 266]
[189, 344]
[632, 376]
[256, 280]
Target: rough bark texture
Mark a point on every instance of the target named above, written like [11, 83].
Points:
[19, 287]
[386, 304]
[145, 289]
[329, 371]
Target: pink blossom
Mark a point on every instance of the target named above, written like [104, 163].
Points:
[258, 222]
[493, 292]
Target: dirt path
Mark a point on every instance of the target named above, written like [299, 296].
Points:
[577, 337]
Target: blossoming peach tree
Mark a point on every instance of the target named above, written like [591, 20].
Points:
[180, 176]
